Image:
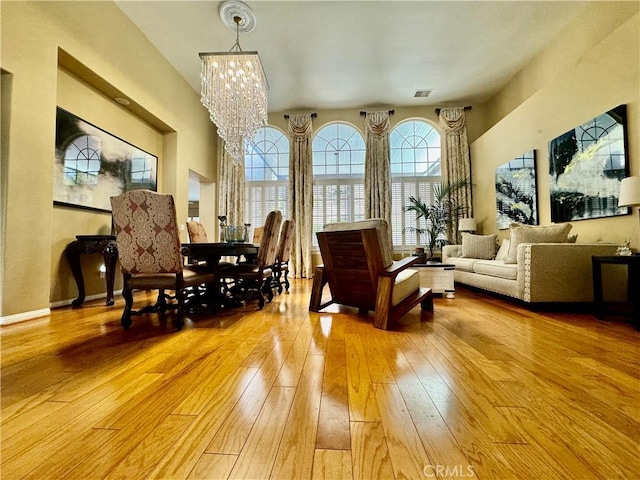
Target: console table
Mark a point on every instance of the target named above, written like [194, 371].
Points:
[92, 244]
[633, 286]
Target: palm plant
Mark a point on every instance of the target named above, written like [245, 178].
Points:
[437, 215]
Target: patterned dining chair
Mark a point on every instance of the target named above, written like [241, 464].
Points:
[257, 234]
[281, 266]
[197, 232]
[149, 251]
[254, 279]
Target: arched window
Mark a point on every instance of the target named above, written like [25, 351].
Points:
[338, 175]
[82, 161]
[415, 170]
[266, 165]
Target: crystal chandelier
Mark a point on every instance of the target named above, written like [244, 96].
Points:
[234, 86]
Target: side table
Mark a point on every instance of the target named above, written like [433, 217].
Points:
[438, 277]
[633, 283]
[90, 244]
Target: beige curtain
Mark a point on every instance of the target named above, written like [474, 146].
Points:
[231, 188]
[377, 169]
[301, 193]
[456, 164]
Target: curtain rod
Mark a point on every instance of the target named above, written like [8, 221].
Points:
[313, 115]
[468, 107]
[364, 114]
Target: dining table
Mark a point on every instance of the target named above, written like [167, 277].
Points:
[211, 254]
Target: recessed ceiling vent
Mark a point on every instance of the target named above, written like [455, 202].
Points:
[422, 93]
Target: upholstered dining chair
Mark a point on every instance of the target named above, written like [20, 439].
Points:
[281, 265]
[360, 271]
[149, 251]
[197, 232]
[254, 279]
[257, 234]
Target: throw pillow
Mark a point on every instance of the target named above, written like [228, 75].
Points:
[535, 234]
[479, 246]
[504, 250]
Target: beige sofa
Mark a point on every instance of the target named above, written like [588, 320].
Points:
[544, 272]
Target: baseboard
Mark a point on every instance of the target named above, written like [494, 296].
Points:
[24, 316]
[97, 296]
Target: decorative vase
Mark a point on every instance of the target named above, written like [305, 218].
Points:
[236, 233]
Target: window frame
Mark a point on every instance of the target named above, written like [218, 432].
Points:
[417, 185]
[269, 191]
[349, 187]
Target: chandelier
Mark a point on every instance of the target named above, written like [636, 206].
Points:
[234, 86]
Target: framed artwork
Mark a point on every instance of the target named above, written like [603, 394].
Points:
[92, 165]
[586, 166]
[516, 193]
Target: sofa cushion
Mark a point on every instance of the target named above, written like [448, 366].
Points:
[535, 234]
[503, 251]
[479, 246]
[406, 282]
[462, 264]
[496, 268]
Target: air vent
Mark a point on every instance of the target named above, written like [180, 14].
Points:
[422, 93]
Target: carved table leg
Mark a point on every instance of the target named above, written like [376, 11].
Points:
[73, 257]
[634, 288]
[597, 288]
[110, 255]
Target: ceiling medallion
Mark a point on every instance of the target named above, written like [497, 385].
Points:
[232, 9]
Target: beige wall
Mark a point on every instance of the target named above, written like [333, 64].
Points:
[82, 100]
[592, 26]
[117, 56]
[577, 86]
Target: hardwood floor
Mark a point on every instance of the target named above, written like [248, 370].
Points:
[481, 388]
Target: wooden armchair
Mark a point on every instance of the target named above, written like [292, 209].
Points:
[360, 271]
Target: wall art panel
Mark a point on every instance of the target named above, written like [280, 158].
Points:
[92, 165]
[516, 192]
[586, 166]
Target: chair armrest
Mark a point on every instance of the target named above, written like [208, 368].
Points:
[558, 272]
[396, 267]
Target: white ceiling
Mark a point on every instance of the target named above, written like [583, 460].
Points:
[336, 54]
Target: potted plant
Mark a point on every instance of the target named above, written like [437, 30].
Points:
[438, 215]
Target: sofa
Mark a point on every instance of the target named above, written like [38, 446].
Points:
[535, 264]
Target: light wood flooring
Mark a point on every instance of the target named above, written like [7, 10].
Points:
[482, 388]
